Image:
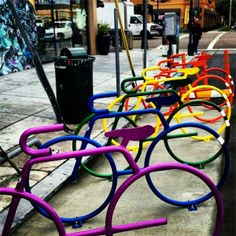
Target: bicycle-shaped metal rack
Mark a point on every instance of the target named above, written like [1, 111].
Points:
[188, 90]
[45, 155]
[141, 135]
[215, 76]
[166, 134]
[176, 77]
[173, 101]
[171, 97]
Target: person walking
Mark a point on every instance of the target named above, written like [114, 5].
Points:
[197, 34]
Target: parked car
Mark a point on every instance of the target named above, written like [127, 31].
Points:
[63, 30]
[39, 23]
[158, 28]
[234, 27]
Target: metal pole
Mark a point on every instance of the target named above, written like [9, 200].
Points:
[126, 20]
[117, 52]
[144, 36]
[230, 12]
[124, 38]
[72, 21]
[53, 26]
[190, 44]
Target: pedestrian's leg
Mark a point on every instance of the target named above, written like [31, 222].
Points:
[197, 41]
[194, 45]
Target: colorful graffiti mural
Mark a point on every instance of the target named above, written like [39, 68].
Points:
[14, 55]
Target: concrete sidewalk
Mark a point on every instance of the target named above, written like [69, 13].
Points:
[24, 101]
[24, 104]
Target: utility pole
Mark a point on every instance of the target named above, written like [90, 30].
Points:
[230, 12]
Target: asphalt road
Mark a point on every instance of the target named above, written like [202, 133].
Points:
[229, 189]
[210, 40]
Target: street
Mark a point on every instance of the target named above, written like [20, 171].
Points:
[211, 40]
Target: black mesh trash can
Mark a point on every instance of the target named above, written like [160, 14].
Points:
[74, 83]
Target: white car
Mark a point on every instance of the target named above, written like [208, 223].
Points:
[63, 30]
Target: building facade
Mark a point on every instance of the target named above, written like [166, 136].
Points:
[204, 9]
[84, 14]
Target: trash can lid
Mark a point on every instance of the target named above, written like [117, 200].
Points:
[73, 53]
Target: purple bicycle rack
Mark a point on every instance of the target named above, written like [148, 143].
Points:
[45, 155]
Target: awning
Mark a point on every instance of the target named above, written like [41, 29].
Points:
[57, 4]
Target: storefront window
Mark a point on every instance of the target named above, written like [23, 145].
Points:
[60, 24]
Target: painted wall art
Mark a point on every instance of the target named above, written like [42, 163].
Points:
[14, 55]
